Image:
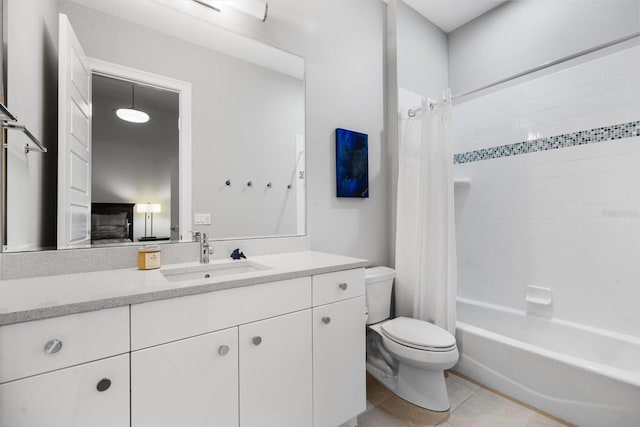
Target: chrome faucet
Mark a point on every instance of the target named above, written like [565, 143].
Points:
[205, 248]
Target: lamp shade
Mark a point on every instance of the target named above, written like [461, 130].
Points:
[148, 208]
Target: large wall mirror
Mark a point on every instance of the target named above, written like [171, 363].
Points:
[156, 122]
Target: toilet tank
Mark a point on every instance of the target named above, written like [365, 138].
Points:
[379, 282]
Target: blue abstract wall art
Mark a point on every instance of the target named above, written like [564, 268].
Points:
[352, 163]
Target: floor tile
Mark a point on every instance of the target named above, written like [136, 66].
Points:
[378, 418]
[460, 380]
[540, 420]
[376, 392]
[486, 409]
[381, 399]
[414, 415]
[471, 406]
[458, 391]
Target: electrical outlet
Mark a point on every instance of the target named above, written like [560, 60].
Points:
[202, 219]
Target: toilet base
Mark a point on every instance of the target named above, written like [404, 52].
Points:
[422, 387]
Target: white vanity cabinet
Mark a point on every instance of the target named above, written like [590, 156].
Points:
[94, 394]
[180, 377]
[50, 374]
[339, 390]
[191, 382]
[286, 353]
[275, 372]
[257, 374]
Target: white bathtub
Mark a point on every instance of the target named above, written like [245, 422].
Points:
[586, 376]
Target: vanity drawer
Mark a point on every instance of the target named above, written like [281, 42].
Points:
[39, 346]
[337, 286]
[163, 321]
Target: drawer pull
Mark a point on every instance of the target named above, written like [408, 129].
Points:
[256, 340]
[53, 346]
[326, 320]
[343, 286]
[103, 384]
[223, 350]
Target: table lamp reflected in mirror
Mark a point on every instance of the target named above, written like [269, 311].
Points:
[148, 209]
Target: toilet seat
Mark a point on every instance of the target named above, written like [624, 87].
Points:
[418, 334]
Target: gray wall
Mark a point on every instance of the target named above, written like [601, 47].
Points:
[519, 35]
[422, 54]
[343, 44]
[32, 79]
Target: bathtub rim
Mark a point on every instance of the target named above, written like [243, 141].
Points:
[591, 329]
[627, 377]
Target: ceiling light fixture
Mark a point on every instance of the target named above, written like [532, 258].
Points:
[132, 114]
[256, 8]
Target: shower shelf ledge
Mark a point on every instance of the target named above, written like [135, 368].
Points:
[462, 181]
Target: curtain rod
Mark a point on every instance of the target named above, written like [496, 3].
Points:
[549, 64]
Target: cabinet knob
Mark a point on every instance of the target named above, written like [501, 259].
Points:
[223, 350]
[343, 286]
[256, 340]
[53, 346]
[326, 320]
[103, 384]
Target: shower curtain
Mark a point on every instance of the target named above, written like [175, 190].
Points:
[425, 229]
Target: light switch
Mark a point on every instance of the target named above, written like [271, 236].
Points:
[202, 219]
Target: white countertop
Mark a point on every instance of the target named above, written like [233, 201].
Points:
[35, 298]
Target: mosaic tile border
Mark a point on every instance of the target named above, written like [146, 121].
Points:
[607, 133]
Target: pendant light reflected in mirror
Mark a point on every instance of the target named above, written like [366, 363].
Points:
[132, 114]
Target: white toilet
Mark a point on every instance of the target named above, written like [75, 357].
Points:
[408, 356]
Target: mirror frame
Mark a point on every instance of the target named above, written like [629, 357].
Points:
[3, 131]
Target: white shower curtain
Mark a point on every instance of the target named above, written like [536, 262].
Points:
[425, 230]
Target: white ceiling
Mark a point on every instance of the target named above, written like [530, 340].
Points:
[116, 93]
[451, 14]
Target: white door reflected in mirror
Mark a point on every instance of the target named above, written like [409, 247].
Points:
[74, 141]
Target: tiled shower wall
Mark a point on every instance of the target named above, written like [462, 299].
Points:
[565, 218]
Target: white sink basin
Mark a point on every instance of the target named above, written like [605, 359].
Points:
[206, 271]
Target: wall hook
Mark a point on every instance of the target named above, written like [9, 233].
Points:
[269, 184]
[249, 184]
[289, 186]
[228, 182]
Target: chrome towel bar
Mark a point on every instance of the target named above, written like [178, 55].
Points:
[8, 120]
[39, 148]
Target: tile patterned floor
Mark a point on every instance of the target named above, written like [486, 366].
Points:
[471, 406]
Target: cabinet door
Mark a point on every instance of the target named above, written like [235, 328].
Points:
[94, 394]
[339, 391]
[275, 372]
[191, 382]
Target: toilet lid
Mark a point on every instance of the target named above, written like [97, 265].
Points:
[419, 334]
